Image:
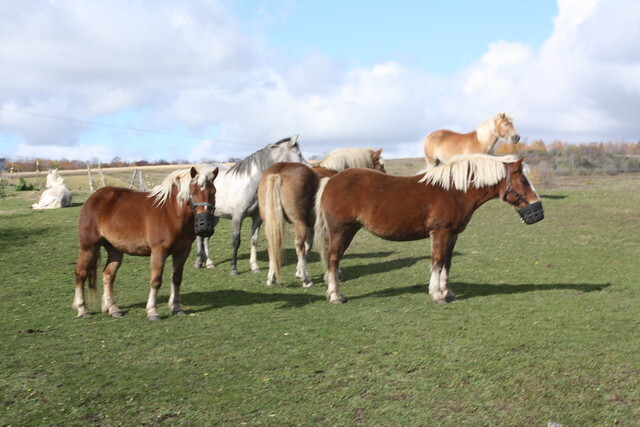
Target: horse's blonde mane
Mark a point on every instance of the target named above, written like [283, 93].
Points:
[486, 129]
[344, 158]
[181, 178]
[466, 170]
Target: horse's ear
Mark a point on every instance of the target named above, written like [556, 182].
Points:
[293, 141]
[193, 172]
[214, 173]
[378, 153]
[517, 165]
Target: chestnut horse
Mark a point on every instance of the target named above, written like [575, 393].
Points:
[403, 208]
[441, 145]
[159, 223]
[287, 192]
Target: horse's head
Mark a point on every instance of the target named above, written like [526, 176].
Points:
[505, 128]
[378, 161]
[518, 192]
[53, 178]
[286, 150]
[203, 199]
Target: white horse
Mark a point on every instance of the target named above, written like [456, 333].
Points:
[236, 197]
[57, 195]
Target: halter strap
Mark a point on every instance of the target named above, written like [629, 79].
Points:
[195, 205]
[509, 189]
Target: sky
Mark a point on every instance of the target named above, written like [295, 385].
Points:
[202, 80]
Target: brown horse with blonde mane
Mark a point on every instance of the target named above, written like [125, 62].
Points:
[287, 192]
[438, 205]
[157, 224]
[441, 145]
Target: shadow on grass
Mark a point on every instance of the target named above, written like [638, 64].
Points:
[206, 301]
[553, 196]
[12, 236]
[472, 290]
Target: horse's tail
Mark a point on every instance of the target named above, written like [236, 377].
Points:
[273, 218]
[93, 276]
[320, 227]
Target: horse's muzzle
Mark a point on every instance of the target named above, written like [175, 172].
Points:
[204, 224]
[515, 138]
[532, 213]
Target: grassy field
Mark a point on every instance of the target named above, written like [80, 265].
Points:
[545, 328]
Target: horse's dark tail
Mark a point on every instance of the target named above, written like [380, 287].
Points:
[92, 276]
[320, 227]
[273, 218]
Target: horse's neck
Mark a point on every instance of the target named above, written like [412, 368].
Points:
[486, 135]
[483, 194]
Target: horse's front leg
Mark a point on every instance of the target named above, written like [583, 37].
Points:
[176, 281]
[256, 222]
[202, 259]
[236, 226]
[442, 244]
[158, 258]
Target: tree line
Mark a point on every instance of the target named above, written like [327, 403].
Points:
[557, 158]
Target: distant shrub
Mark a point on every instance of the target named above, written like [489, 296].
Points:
[23, 186]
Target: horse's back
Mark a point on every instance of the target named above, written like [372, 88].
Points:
[392, 207]
[442, 144]
[298, 186]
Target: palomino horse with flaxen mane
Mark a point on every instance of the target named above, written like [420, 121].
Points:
[237, 197]
[56, 195]
[287, 192]
[404, 208]
[159, 223]
[441, 145]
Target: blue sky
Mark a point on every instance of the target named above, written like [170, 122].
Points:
[204, 79]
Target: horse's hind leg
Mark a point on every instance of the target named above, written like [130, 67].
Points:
[302, 273]
[85, 268]
[114, 260]
[442, 244]
[158, 258]
[339, 240]
[256, 222]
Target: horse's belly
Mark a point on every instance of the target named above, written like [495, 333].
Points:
[137, 247]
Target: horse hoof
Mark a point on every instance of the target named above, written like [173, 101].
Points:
[85, 315]
[116, 314]
[179, 313]
[233, 273]
[450, 298]
[153, 318]
[337, 300]
[307, 284]
[256, 270]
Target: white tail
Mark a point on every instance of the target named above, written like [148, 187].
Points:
[274, 226]
[320, 227]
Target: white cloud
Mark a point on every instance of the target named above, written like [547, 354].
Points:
[191, 65]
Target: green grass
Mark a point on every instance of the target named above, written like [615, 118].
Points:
[545, 328]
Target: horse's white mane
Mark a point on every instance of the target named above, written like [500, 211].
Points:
[344, 158]
[465, 170]
[181, 178]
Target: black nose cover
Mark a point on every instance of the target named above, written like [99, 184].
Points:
[532, 213]
[204, 223]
